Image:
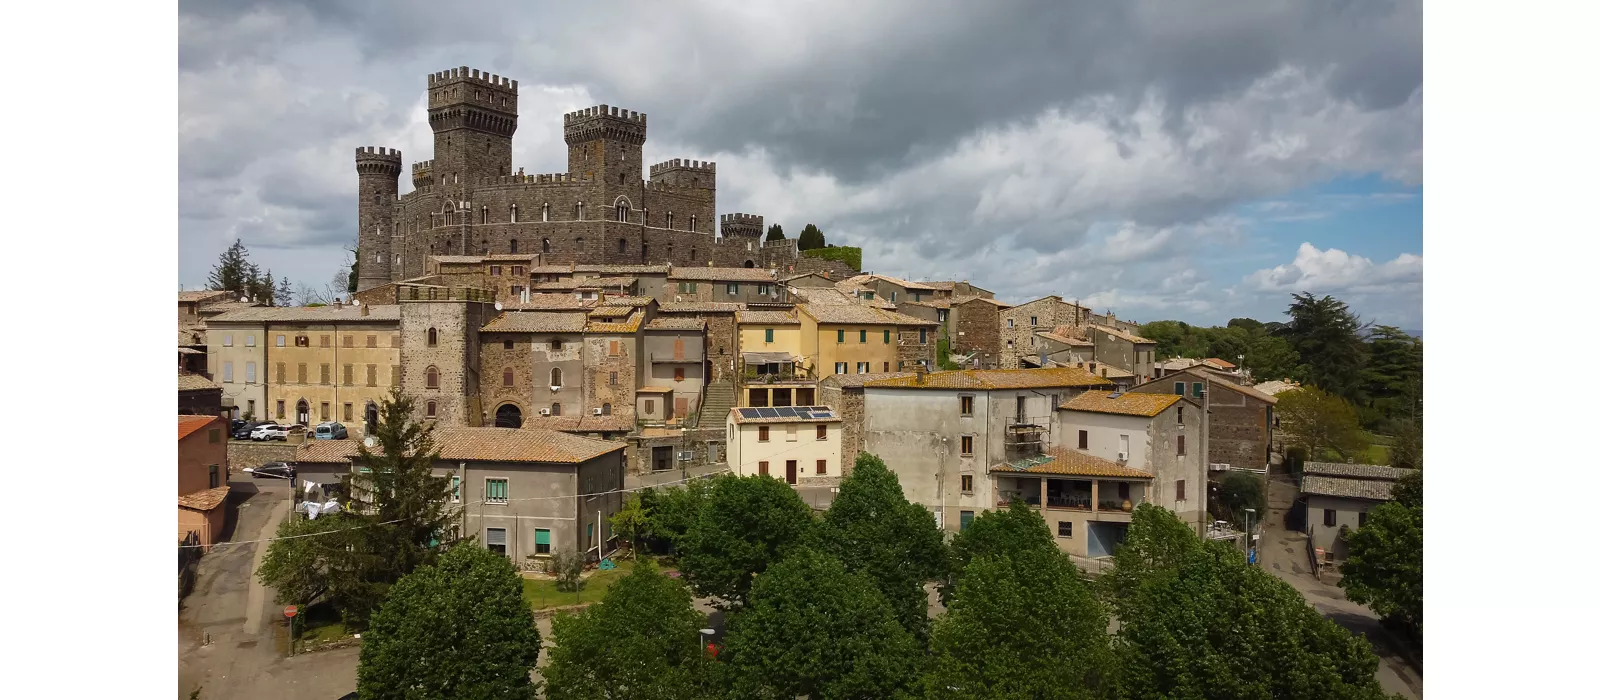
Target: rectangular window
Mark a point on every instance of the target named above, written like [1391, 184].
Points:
[863, 367]
[349, 341]
[1011, 323]
[1330, 517]
[841, 367]
[822, 431]
[372, 375]
[280, 341]
[1180, 491]
[886, 337]
[841, 335]
[283, 373]
[1122, 490]
[966, 445]
[764, 290]
[349, 375]
[966, 405]
[1033, 320]
[495, 540]
[615, 348]
[324, 411]
[215, 436]
[863, 335]
[349, 412]
[250, 340]
[494, 270]
[1064, 528]
[885, 366]
[301, 372]
[1198, 389]
[1177, 388]
[1361, 519]
[762, 433]
[394, 340]
[791, 433]
[966, 519]
[516, 270]
[966, 483]
[455, 489]
[1180, 446]
[1180, 415]
[541, 541]
[922, 336]
[215, 477]
[894, 296]
[323, 341]
[613, 379]
[822, 470]
[733, 288]
[763, 468]
[496, 491]
[769, 335]
[677, 375]
[372, 341]
[327, 373]
[1083, 439]
[280, 409]
[394, 375]
[227, 371]
[250, 372]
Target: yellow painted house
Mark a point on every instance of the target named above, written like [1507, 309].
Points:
[852, 338]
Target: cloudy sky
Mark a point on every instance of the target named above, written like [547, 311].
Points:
[1197, 164]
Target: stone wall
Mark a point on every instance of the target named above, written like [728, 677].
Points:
[1019, 323]
[1238, 428]
[850, 405]
[911, 348]
[603, 355]
[978, 330]
[709, 446]
[455, 356]
[242, 453]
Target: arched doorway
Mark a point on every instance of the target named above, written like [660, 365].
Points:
[508, 416]
[302, 412]
[372, 418]
[749, 263]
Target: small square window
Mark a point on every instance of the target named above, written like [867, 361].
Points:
[1330, 517]
[496, 491]
[966, 519]
[966, 405]
[763, 433]
[1064, 528]
[966, 483]
[863, 336]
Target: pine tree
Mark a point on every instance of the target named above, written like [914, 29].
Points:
[269, 290]
[811, 237]
[233, 270]
[774, 233]
[284, 294]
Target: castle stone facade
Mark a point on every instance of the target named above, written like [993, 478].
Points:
[605, 209]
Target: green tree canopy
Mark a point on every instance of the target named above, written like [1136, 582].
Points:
[233, 271]
[1323, 423]
[284, 295]
[632, 522]
[813, 628]
[1238, 491]
[674, 510]
[1383, 569]
[774, 233]
[811, 237]
[872, 529]
[1026, 626]
[1198, 622]
[748, 524]
[1392, 377]
[308, 562]
[642, 641]
[458, 629]
[1327, 336]
[997, 532]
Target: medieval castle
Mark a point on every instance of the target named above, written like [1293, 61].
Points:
[468, 201]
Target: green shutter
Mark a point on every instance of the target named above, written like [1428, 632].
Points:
[886, 337]
[455, 488]
[1198, 389]
[541, 537]
[863, 335]
[1178, 388]
[769, 335]
[841, 335]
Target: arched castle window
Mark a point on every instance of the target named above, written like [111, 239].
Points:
[513, 213]
[622, 178]
[580, 211]
[545, 246]
[484, 218]
[432, 377]
[546, 211]
[646, 216]
[669, 219]
[555, 376]
[513, 245]
[622, 245]
[622, 212]
[692, 221]
[433, 409]
[691, 254]
[377, 197]
[433, 337]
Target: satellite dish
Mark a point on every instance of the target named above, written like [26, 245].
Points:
[499, 306]
[370, 442]
[355, 302]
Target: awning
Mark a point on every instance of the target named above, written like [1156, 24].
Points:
[190, 351]
[767, 358]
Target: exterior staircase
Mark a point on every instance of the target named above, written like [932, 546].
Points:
[717, 400]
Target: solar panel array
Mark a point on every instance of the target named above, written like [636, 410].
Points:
[796, 412]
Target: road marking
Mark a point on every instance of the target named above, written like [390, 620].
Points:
[258, 593]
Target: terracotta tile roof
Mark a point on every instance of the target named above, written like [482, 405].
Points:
[1356, 471]
[610, 312]
[456, 259]
[509, 257]
[204, 500]
[987, 379]
[719, 274]
[856, 381]
[588, 283]
[222, 307]
[1219, 363]
[203, 295]
[627, 301]
[348, 313]
[767, 318]
[629, 325]
[525, 444]
[1064, 339]
[551, 270]
[191, 335]
[1347, 488]
[547, 302]
[1127, 404]
[700, 307]
[190, 351]
[1226, 381]
[619, 422]
[1073, 463]
[1001, 304]
[535, 322]
[189, 381]
[187, 425]
[867, 279]
[940, 303]
[804, 274]
[1101, 369]
[1177, 364]
[556, 286]
[950, 286]
[1119, 333]
[625, 269]
[1275, 387]
[676, 324]
[860, 315]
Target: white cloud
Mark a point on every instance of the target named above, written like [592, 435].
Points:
[1333, 271]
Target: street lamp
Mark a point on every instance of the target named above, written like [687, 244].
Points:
[703, 634]
[1248, 547]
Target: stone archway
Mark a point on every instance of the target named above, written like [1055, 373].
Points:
[749, 263]
[372, 417]
[508, 416]
[302, 412]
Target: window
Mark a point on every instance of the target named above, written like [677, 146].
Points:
[509, 344]
[733, 288]
[863, 367]
[922, 336]
[966, 483]
[250, 372]
[885, 366]
[280, 341]
[496, 540]
[372, 341]
[250, 407]
[349, 341]
[966, 519]
[1180, 415]
[324, 411]
[762, 466]
[541, 541]
[822, 431]
[215, 478]
[323, 341]
[455, 489]
[677, 374]
[692, 221]
[433, 409]
[886, 337]
[545, 215]
[432, 376]
[605, 409]
[762, 433]
[841, 336]
[516, 290]
[1180, 490]
[841, 367]
[496, 490]
[1330, 517]
[1083, 439]
[764, 290]
[1033, 320]
[555, 377]
[394, 340]
[280, 409]
[622, 243]
[349, 412]
[433, 337]
[612, 380]
[769, 335]
[227, 371]
[494, 270]
[349, 375]
[1180, 446]
[227, 340]
[215, 436]
[1198, 389]
[1011, 323]
[514, 246]
[822, 469]
[325, 373]
[302, 341]
[1177, 388]
[863, 335]
[508, 378]
[513, 213]
[394, 375]
[966, 405]
[1361, 519]
[555, 409]
[966, 445]
[555, 344]
[301, 372]
[1064, 528]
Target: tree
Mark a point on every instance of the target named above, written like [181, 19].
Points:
[813, 628]
[1270, 357]
[1406, 452]
[872, 529]
[998, 532]
[263, 289]
[1383, 569]
[1322, 422]
[284, 294]
[1198, 622]
[307, 563]
[1022, 627]
[632, 522]
[748, 524]
[353, 277]
[459, 628]
[233, 271]
[641, 641]
[811, 237]
[1238, 491]
[1392, 377]
[1327, 336]
[774, 233]
[673, 511]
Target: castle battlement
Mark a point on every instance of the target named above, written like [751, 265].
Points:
[737, 218]
[377, 153]
[737, 224]
[537, 179]
[377, 160]
[422, 166]
[603, 111]
[681, 164]
[471, 75]
[604, 122]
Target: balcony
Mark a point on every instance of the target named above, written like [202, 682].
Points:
[1108, 497]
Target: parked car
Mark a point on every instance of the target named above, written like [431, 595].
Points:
[270, 431]
[273, 469]
[332, 431]
[242, 432]
[235, 424]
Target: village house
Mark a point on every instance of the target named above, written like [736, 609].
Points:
[1337, 498]
[799, 444]
[741, 285]
[845, 393]
[1124, 350]
[856, 339]
[894, 290]
[198, 396]
[524, 493]
[774, 369]
[675, 350]
[944, 432]
[1019, 323]
[977, 322]
[202, 478]
[1239, 420]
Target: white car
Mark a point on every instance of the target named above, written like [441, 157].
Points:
[270, 431]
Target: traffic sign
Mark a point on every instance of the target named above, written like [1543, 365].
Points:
[290, 611]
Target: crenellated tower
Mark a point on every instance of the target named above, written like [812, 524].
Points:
[378, 174]
[473, 115]
[738, 225]
[605, 143]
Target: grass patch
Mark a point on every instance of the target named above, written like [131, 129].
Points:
[541, 593]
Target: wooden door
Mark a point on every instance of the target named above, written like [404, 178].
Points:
[791, 470]
[680, 407]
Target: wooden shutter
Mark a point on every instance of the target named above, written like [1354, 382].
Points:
[677, 354]
[349, 375]
[394, 375]
[283, 373]
[1180, 491]
[1180, 446]
[822, 467]
[822, 431]
[302, 372]
[763, 467]
[1083, 439]
[372, 375]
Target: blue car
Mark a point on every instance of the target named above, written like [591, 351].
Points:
[331, 431]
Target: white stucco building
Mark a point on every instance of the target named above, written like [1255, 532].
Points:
[799, 444]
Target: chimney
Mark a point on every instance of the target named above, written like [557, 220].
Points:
[338, 303]
[366, 309]
[922, 372]
[1091, 368]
